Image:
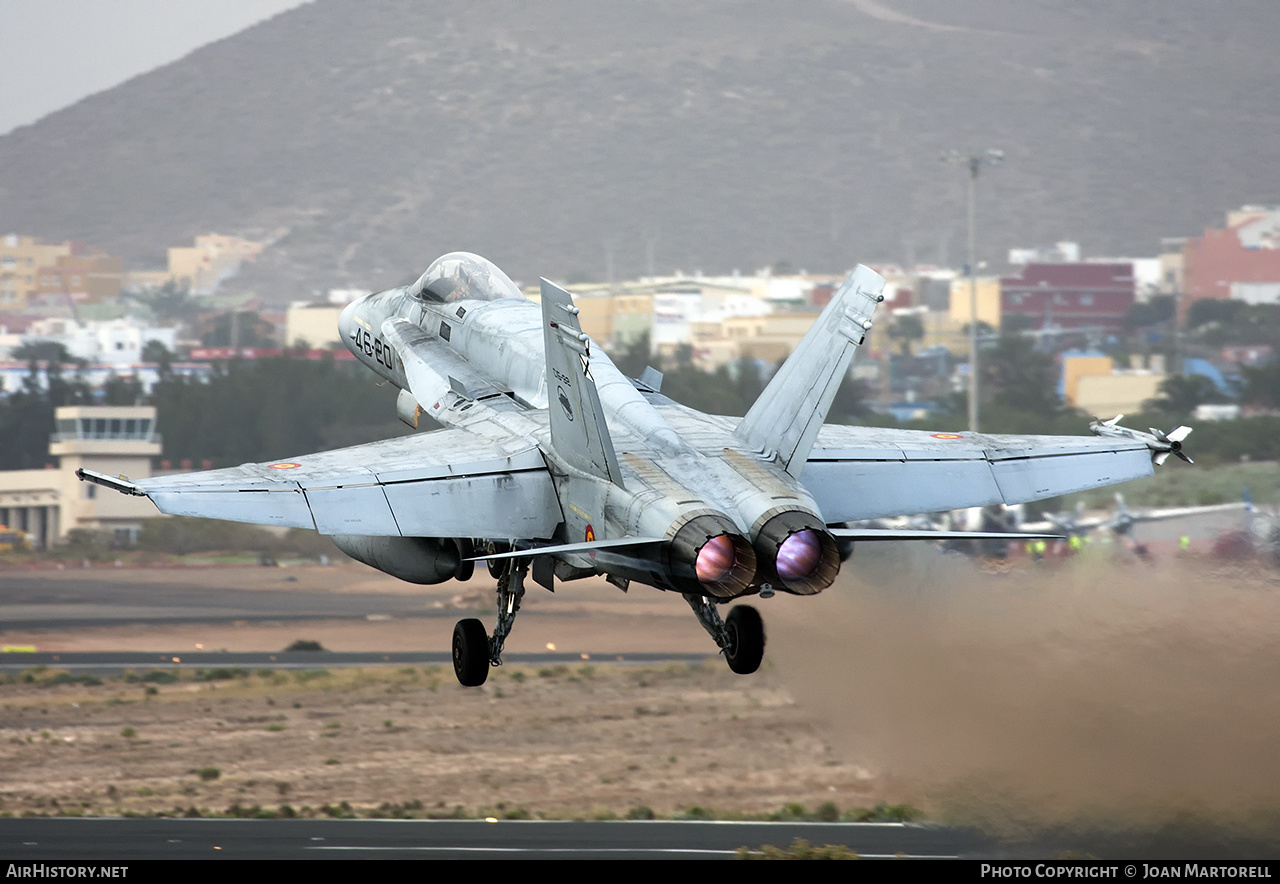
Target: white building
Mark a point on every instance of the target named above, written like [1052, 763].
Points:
[14, 375]
[116, 342]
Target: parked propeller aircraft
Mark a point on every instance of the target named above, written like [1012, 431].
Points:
[549, 462]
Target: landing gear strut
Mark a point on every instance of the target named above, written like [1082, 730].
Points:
[474, 651]
[740, 637]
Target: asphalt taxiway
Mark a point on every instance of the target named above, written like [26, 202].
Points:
[118, 662]
[150, 839]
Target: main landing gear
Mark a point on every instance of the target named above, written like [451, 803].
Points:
[740, 636]
[474, 651]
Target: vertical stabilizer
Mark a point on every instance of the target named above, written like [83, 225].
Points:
[786, 418]
[579, 434]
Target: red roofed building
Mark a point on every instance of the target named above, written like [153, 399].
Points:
[1231, 262]
[1072, 295]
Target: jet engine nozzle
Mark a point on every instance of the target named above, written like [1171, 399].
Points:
[708, 556]
[796, 552]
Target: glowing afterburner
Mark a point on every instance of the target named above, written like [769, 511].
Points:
[715, 560]
[799, 555]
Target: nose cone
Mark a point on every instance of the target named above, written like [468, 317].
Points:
[348, 328]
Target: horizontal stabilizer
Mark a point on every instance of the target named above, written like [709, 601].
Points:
[916, 471]
[651, 379]
[894, 534]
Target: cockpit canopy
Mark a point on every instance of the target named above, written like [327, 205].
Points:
[462, 276]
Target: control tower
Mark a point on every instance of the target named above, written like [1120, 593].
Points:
[47, 504]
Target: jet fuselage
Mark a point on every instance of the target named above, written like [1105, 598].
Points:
[740, 508]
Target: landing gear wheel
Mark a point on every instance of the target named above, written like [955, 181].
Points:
[745, 649]
[497, 567]
[470, 653]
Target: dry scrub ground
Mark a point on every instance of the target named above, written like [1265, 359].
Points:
[1088, 692]
[588, 740]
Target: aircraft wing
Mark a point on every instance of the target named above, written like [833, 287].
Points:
[1156, 515]
[868, 473]
[447, 483]
[1078, 526]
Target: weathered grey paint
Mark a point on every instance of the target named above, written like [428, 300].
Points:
[473, 355]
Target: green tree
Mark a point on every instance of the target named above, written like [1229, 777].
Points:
[906, 328]
[121, 391]
[1160, 308]
[42, 351]
[1213, 310]
[1015, 322]
[1180, 394]
[156, 351]
[171, 302]
[1218, 322]
[632, 359]
[1020, 377]
[1262, 385]
[239, 328]
[25, 423]
[252, 410]
[161, 356]
[26, 416]
[852, 402]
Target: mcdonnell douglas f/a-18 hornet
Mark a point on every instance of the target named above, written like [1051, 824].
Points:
[546, 461]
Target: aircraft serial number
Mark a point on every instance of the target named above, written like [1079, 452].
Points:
[374, 348]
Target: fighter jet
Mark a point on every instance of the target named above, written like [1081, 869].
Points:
[546, 461]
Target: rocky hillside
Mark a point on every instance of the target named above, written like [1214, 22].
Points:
[564, 138]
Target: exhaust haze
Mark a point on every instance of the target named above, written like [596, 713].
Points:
[1080, 691]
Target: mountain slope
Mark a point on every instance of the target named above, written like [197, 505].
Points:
[371, 137]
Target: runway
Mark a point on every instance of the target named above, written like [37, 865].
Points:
[115, 663]
[347, 607]
[640, 627]
[114, 839]
[101, 597]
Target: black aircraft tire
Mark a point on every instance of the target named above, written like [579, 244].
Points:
[496, 566]
[470, 653]
[746, 639]
[465, 551]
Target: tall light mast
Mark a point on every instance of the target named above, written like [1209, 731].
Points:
[974, 162]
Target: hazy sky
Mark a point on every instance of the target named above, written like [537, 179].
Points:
[57, 52]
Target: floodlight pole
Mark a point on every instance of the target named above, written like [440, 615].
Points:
[975, 162]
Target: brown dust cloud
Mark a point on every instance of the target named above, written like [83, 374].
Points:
[1079, 691]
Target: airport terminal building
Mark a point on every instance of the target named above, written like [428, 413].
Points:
[48, 504]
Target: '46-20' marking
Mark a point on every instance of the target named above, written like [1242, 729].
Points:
[374, 348]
